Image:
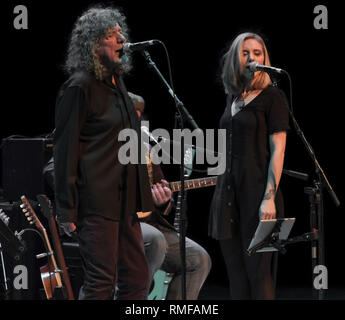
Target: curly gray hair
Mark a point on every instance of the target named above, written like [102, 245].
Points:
[88, 30]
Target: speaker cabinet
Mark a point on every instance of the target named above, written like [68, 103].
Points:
[23, 160]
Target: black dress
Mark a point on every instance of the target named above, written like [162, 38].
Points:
[239, 191]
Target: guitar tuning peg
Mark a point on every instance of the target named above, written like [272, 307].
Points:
[4, 217]
[24, 210]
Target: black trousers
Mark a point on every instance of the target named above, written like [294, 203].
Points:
[112, 253]
[250, 277]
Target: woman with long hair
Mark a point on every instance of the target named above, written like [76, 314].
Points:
[256, 120]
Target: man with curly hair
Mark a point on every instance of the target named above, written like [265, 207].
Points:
[97, 197]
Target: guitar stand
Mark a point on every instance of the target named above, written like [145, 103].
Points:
[59, 293]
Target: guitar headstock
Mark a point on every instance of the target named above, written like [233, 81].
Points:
[46, 205]
[188, 156]
[188, 161]
[30, 213]
[4, 218]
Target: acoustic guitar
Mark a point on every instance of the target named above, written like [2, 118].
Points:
[47, 210]
[50, 274]
[161, 278]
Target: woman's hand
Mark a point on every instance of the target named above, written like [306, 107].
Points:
[267, 209]
[277, 148]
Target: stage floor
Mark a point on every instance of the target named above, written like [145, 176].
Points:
[217, 292]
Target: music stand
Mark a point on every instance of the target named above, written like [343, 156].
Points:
[271, 235]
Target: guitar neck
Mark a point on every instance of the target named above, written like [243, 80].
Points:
[193, 183]
[188, 184]
[31, 216]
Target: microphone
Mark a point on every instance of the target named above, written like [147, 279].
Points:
[138, 46]
[296, 174]
[254, 66]
[149, 134]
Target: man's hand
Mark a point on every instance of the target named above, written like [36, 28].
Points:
[69, 228]
[161, 193]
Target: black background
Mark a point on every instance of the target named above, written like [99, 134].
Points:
[196, 35]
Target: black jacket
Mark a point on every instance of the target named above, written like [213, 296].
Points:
[89, 178]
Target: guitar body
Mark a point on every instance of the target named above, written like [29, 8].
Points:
[161, 280]
[49, 281]
[142, 215]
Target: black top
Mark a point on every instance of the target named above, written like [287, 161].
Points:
[247, 159]
[89, 179]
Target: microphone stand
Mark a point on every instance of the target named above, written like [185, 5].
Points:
[184, 115]
[181, 108]
[4, 272]
[316, 202]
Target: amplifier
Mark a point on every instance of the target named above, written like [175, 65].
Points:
[23, 160]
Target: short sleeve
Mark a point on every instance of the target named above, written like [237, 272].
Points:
[277, 112]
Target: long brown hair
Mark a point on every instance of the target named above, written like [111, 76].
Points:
[233, 79]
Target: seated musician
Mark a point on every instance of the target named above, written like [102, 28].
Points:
[161, 240]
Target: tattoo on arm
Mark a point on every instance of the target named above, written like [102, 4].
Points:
[269, 194]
